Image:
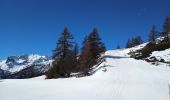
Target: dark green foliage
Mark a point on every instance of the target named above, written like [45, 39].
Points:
[129, 44]
[153, 34]
[73, 59]
[134, 42]
[146, 51]
[85, 60]
[166, 25]
[91, 51]
[64, 45]
[51, 73]
[66, 59]
[64, 56]
[96, 45]
[149, 48]
[152, 46]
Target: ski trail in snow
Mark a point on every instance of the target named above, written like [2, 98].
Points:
[120, 79]
[125, 79]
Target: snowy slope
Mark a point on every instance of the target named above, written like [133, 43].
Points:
[17, 63]
[23, 66]
[125, 79]
[165, 54]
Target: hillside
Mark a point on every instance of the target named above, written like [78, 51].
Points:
[24, 66]
[120, 78]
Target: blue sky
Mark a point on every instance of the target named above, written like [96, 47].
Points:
[33, 26]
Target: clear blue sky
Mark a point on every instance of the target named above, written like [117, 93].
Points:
[33, 26]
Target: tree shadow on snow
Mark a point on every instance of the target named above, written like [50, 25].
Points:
[113, 57]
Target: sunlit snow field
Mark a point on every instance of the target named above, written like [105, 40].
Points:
[125, 79]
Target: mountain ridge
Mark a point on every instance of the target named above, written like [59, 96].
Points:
[16, 64]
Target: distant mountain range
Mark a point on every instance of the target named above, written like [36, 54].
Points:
[25, 66]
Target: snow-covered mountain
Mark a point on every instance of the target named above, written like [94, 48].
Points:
[19, 66]
[119, 77]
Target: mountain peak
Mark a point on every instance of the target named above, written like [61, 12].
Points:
[15, 64]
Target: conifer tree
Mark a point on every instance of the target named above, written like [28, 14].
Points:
[136, 41]
[63, 54]
[166, 27]
[85, 58]
[91, 51]
[129, 43]
[74, 59]
[153, 34]
[96, 44]
[64, 45]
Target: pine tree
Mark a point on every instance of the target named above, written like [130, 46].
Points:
[166, 26]
[74, 59]
[136, 41]
[129, 44]
[153, 34]
[63, 54]
[96, 45]
[85, 58]
[91, 51]
[64, 45]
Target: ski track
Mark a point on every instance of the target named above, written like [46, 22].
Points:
[125, 79]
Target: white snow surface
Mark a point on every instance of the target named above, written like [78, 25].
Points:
[32, 58]
[125, 79]
[165, 54]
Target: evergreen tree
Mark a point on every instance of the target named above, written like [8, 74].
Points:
[91, 50]
[153, 34]
[64, 55]
[136, 41]
[166, 29]
[85, 58]
[96, 45]
[129, 43]
[166, 26]
[74, 59]
[64, 45]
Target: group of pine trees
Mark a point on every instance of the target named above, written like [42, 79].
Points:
[134, 42]
[155, 44]
[166, 27]
[67, 59]
[153, 34]
[66, 55]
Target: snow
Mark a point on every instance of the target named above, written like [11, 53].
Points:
[124, 79]
[15, 68]
[165, 54]
[22, 63]
[39, 78]
[33, 57]
[124, 52]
